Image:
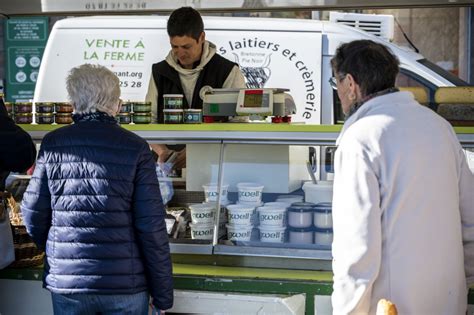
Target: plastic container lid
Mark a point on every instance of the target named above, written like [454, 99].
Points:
[300, 230]
[249, 186]
[323, 230]
[323, 207]
[193, 110]
[173, 95]
[303, 204]
[301, 209]
[172, 110]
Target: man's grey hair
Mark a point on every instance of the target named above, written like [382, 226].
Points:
[93, 88]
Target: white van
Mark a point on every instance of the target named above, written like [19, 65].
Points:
[283, 53]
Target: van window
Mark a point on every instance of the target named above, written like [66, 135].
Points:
[445, 74]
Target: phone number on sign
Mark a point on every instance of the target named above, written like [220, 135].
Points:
[132, 84]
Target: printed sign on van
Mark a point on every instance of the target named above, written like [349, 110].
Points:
[278, 60]
[129, 56]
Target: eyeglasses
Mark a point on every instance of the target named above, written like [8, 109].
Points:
[333, 81]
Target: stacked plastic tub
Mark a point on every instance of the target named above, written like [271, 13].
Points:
[272, 222]
[203, 214]
[321, 195]
[240, 216]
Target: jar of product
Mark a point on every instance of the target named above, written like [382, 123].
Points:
[192, 116]
[323, 215]
[22, 108]
[44, 107]
[126, 108]
[300, 235]
[24, 118]
[141, 118]
[63, 118]
[142, 107]
[173, 116]
[44, 118]
[63, 108]
[300, 216]
[124, 118]
[9, 107]
[173, 101]
[323, 237]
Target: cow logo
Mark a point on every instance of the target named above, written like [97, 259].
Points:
[256, 77]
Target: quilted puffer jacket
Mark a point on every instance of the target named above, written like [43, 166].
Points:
[94, 204]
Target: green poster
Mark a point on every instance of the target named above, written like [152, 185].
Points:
[25, 39]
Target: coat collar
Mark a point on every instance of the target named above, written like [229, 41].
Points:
[374, 103]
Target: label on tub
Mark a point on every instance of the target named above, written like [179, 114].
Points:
[249, 194]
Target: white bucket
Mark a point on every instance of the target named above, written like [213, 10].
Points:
[272, 234]
[316, 193]
[210, 192]
[240, 214]
[323, 215]
[239, 232]
[300, 235]
[222, 212]
[274, 216]
[250, 192]
[323, 236]
[202, 231]
[202, 213]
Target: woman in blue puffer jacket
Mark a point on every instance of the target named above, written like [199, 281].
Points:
[94, 205]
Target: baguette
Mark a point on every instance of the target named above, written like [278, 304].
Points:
[385, 307]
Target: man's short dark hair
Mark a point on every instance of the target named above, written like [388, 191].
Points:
[371, 64]
[185, 21]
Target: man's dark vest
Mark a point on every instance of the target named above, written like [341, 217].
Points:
[167, 81]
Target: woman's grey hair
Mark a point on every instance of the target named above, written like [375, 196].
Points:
[93, 88]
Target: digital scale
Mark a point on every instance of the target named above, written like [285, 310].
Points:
[256, 103]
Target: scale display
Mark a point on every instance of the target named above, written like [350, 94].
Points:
[255, 98]
[255, 101]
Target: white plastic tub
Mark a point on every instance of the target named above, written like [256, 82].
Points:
[240, 214]
[323, 215]
[202, 213]
[320, 192]
[272, 234]
[300, 235]
[210, 192]
[300, 214]
[250, 192]
[222, 212]
[323, 236]
[239, 232]
[201, 231]
[273, 216]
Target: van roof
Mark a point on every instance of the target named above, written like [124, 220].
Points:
[235, 23]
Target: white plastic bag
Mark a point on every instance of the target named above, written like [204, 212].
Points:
[166, 185]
